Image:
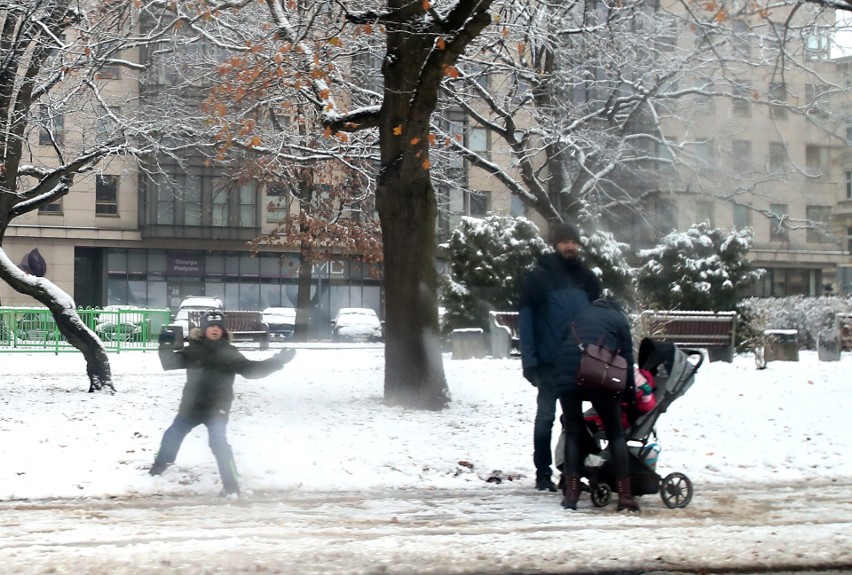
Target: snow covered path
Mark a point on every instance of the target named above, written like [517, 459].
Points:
[495, 530]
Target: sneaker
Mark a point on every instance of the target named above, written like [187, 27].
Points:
[157, 468]
[545, 484]
[229, 494]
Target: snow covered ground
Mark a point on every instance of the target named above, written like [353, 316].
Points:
[774, 444]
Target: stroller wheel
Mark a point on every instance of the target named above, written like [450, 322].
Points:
[676, 490]
[601, 494]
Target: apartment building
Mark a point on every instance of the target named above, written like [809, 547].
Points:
[150, 237]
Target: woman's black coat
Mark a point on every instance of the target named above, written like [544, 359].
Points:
[210, 369]
[599, 318]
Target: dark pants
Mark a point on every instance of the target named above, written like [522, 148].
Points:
[217, 427]
[545, 415]
[609, 410]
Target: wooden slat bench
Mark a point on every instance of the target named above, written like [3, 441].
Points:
[713, 331]
[242, 325]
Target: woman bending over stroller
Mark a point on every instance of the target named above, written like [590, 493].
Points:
[604, 317]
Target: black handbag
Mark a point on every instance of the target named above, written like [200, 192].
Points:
[601, 369]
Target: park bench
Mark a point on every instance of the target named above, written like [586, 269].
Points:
[503, 330]
[242, 325]
[713, 331]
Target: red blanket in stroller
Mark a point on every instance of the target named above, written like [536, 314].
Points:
[645, 400]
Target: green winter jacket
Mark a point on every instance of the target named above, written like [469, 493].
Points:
[210, 369]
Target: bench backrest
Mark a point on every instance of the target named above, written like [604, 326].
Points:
[507, 319]
[710, 330]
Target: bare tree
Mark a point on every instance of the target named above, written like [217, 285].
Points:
[304, 52]
[57, 60]
[604, 106]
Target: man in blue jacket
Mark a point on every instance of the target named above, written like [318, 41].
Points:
[553, 292]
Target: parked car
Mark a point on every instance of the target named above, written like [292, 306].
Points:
[281, 321]
[356, 324]
[194, 303]
[117, 323]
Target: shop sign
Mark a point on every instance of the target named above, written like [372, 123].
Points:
[185, 265]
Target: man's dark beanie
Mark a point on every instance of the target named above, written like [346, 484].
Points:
[564, 232]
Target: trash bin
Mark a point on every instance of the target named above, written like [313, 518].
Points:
[468, 343]
[828, 345]
[782, 345]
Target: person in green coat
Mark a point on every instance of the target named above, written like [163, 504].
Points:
[211, 362]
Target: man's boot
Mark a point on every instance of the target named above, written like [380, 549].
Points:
[570, 491]
[544, 482]
[625, 496]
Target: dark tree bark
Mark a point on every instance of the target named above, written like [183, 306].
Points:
[420, 51]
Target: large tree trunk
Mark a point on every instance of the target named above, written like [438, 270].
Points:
[405, 200]
[414, 371]
[69, 323]
[418, 57]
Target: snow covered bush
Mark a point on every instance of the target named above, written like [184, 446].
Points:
[487, 259]
[809, 315]
[701, 269]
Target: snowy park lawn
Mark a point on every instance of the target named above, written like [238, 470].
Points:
[320, 424]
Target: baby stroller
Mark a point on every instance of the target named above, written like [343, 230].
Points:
[674, 370]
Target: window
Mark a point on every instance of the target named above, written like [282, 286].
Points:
[248, 206]
[477, 203]
[704, 153]
[742, 100]
[201, 197]
[106, 126]
[819, 223]
[665, 214]
[742, 156]
[278, 203]
[705, 211]
[741, 39]
[817, 161]
[777, 222]
[664, 155]
[742, 216]
[51, 128]
[849, 239]
[778, 100]
[106, 195]
[107, 51]
[477, 141]
[818, 45]
[849, 133]
[777, 157]
[53, 208]
[848, 174]
[815, 98]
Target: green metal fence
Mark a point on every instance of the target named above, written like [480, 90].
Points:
[121, 328]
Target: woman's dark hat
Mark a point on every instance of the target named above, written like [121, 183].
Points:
[213, 317]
